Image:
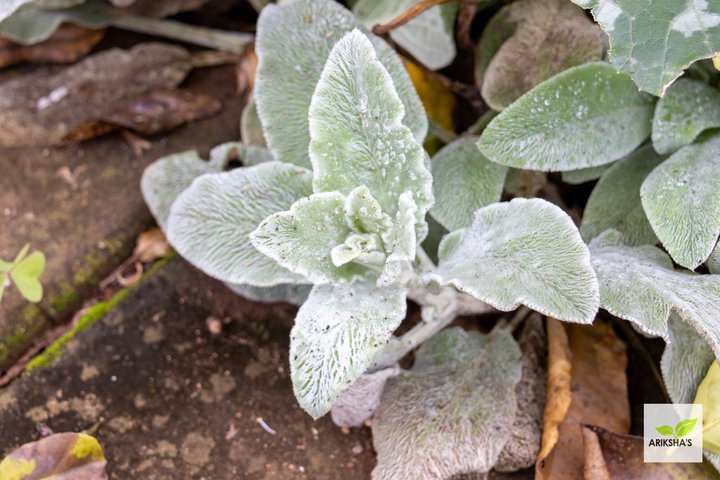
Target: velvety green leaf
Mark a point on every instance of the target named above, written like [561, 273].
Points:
[583, 175]
[33, 24]
[688, 108]
[615, 200]
[653, 41]
[302, 239]
[288, 72]
[210, 221]
[336, 333]
[685, 361]
[427, 37]
[26, 273]
[681, 200]
[665, 430]
[9, 7]
[639, 284]
[586, 116]
[526, 251]
[713, 260]
[284, 292]
[549, 36]
[684, 427]
[250, 127]
[402, 241]
[357, 137]
[463, 181]
[449, 243]
[708, 397]
[453, 412]
[166, 178]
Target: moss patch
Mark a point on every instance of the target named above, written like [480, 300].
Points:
[94, 313]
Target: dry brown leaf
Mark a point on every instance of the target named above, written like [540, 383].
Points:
[153, 112]
[151, 245]
[594, 466]
[67, 45]
[548, 37]
[622, 459]
[74, 456]
[42, 109]
[598, 394]
[558, 384]
[245, 72]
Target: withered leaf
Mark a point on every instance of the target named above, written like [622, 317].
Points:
[68, 44]
[598, 394]
[43, 109]
[74, 456]
[549, 37]
[621, 458]
[150, 113]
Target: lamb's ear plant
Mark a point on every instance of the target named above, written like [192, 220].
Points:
[331, 215]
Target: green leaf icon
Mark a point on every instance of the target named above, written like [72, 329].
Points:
[25, 275]
[665, 430]
[685, 427]
[3, 279]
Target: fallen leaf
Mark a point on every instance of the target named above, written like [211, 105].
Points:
[438, 100]
[594, 465]
[548, 37]
[153, 112]
[151, 245]
[598, 394]
[708, 395]
[42, 109]
[75, 456]
[67, 45]
[558, 384]
[245, 71]
[620, 457]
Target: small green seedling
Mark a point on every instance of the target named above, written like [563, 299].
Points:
[24, 272]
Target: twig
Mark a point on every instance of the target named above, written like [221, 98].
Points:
[407, 15]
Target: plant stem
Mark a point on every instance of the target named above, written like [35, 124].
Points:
[407, 15]
[206, 37]
[432, 322]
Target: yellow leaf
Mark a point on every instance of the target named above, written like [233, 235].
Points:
[16, 468]
[708, 394]
[438, 100]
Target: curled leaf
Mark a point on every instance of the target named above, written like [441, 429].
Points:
[74, 456]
